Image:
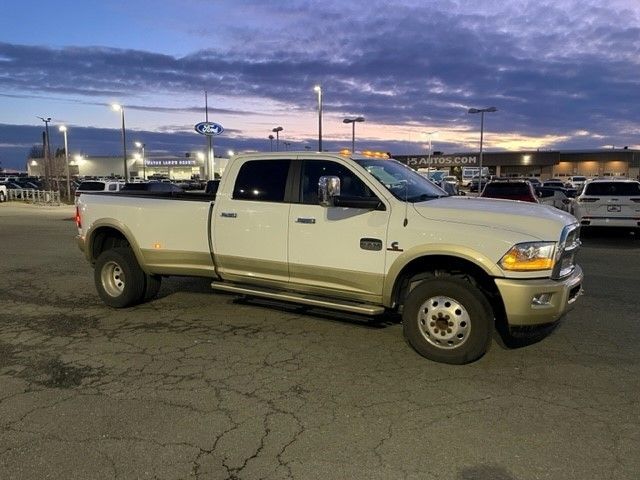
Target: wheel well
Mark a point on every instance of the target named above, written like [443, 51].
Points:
[105, 238]
[444, 265]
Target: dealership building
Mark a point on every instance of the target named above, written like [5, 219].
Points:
[174, 167]
[544, 164]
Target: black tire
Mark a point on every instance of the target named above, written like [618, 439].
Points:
[455, 327]
[152, 285]
[119, 279]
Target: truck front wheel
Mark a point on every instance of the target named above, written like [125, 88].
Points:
[448, 320]
[119, 279]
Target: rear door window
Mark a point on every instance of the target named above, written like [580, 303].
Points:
[262, 181]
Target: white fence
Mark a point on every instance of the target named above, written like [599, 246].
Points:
[29, 195]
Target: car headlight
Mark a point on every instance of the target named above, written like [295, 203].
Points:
[530, 256]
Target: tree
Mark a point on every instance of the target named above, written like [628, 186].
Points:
[36, 151]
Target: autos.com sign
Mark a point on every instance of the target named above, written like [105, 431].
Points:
[209, 128]
[439, 161]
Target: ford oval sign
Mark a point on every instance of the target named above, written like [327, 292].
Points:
[209, 128]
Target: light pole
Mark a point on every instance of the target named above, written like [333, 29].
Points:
[47, 153]
[353, 122]
[271, 137]
[120, 108]
[481, 111]
[63, 129]
[141, 146]
[430, 134]
[318, 90]
[277, 131]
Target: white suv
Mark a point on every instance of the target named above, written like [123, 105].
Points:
[609, 203]
[577, 181]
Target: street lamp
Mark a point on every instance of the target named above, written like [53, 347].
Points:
[481, 111]
[47, 152]
[277, 131]
[318, 90]
[120, 108]
[430, 134]
[63, 129]
[141, 146]
[353, 121]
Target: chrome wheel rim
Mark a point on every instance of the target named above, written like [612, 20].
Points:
[113, 280]
[444, 322]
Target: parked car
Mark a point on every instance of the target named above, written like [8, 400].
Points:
[452, 179]
[17, 189]
[535, 181]
[609, 203]
[554, 182]
[510, 190]
[555, 197]
[569, 192]
[450, 188]
[577, 181]
[212, 187]
[98, 186]
[473, 184]
[157, 187]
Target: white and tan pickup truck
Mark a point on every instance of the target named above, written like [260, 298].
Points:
[351, 233]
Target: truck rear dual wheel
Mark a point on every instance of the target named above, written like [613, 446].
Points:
[448, 320]
[120, 281]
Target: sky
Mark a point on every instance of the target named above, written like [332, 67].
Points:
[563, 74]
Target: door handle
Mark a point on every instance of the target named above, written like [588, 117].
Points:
[229, 215]
[305, 220]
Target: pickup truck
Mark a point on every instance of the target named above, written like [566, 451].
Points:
[345, 232]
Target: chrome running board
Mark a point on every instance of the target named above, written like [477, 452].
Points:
[343, 305]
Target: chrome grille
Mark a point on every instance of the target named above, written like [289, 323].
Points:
[566, 252]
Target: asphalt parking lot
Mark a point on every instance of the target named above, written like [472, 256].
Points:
[201, 385]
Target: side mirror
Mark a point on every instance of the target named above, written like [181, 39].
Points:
[328, 189]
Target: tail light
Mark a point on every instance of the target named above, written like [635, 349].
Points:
[78, 219]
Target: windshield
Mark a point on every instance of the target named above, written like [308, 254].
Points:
[402, 181]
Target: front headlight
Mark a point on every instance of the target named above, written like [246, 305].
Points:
[530, 256]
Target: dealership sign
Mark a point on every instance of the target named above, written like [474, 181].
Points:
[170, 163]
[444, 161]
[209, 128]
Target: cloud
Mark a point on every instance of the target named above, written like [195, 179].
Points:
[553, 69]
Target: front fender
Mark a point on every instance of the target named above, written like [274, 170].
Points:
[480, 260]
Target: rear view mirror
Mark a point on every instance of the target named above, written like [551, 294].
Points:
[328, 189]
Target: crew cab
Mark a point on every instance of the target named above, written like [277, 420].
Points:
[350, 233]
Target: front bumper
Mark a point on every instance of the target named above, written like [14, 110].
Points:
[538, 302]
